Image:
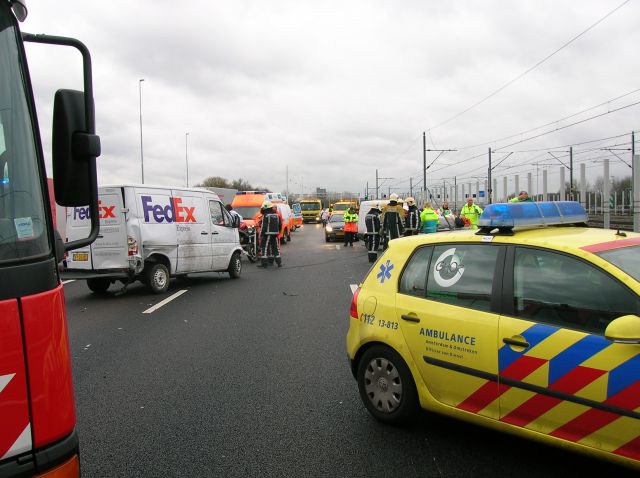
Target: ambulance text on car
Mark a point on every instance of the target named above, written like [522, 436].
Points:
[531, 330]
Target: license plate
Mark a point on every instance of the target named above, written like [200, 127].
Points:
[80, 256]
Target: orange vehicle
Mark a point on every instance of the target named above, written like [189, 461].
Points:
[247, 204]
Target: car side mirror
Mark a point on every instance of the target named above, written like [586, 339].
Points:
[624, 330]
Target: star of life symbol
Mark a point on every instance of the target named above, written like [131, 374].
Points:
[385, 271]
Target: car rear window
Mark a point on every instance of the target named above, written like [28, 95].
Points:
[626, 259]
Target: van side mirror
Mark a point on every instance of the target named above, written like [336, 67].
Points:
[624, 330]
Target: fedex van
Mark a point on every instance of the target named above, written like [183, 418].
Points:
[151, 233]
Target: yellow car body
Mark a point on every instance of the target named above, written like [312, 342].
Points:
[506, 332]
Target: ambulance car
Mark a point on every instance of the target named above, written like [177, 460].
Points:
[523, 326]
[151, 233]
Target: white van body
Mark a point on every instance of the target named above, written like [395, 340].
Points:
[365, 207]
[185, 229]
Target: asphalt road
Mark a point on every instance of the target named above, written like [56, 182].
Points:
[249, 377]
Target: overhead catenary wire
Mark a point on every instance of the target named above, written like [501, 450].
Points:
[530, 69]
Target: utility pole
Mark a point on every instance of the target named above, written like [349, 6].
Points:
[571, 173]
[424, 162]
[287, 179]
[489, 180]
[411, 187]
[377, 196]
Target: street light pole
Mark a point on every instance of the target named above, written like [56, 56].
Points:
[186, 154]
[141, 153]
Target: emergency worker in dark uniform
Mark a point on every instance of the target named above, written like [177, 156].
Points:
[270, 226]
[372, 236]
[412, 220]
[392, 220]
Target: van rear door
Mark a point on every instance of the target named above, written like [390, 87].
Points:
[78, 227]
[110, 251]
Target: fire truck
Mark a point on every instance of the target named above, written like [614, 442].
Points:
[37, 410]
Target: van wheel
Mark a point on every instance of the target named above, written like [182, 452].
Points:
[157, 277]
[386, 386]
[235, 266]
[98, 285]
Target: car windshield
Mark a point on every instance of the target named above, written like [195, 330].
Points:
[310, 206]
[626, 259]
[247, 212]
[336, 218]
[23, 232]
[341, 207]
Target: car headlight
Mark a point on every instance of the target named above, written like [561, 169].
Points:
[329, 229]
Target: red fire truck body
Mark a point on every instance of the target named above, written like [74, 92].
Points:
[37, 410]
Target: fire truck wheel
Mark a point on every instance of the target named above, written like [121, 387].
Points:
[157, 277]
[98, 285]
[235, 266]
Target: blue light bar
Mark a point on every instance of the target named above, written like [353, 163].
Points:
[546, 213]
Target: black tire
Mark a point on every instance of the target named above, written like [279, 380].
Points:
[288, 236]
[252, 256]
[386, 386]
[235, 266]
[98, 285]
[327, 239]
[156, 277]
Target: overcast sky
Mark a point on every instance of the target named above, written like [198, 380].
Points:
[335, 89]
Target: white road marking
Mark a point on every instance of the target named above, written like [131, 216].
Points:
[68, 281]
[353, 288]
[164, 302]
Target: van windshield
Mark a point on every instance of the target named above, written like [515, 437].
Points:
[23, 231]
[247, 212]
[310, 206]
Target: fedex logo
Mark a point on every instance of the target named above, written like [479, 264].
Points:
[172, 212]
[104, 212]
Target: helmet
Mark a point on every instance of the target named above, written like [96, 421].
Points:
[393, 197]
[410, 201]
[267, 204]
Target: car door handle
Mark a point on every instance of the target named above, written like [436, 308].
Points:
[517, 343]
[100, 236]
[215, 232]
[204, 233]
[410, 318]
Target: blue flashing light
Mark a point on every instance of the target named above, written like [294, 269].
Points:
[547, 213]
[4, 181]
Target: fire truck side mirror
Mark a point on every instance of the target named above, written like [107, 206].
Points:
[74, 150]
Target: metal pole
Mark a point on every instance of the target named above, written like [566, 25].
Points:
[186, 154]
[410, 186]
[377, 187]
[571, 173]
[544, 185]
[141, 154]
[605, 195]
[529, 184]
[562, 188]
[636, 193]
[424, 161]
[489, 179]
[455, 187]
[583, 185]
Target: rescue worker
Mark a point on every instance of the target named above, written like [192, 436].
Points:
[523, 196]
[392, 220]
[429, 219]
[235, 216]
[324, 217]
[372, 236]
[412, 219]
[270, 226]
[350, 220]
[471, 212]
[445, 209]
